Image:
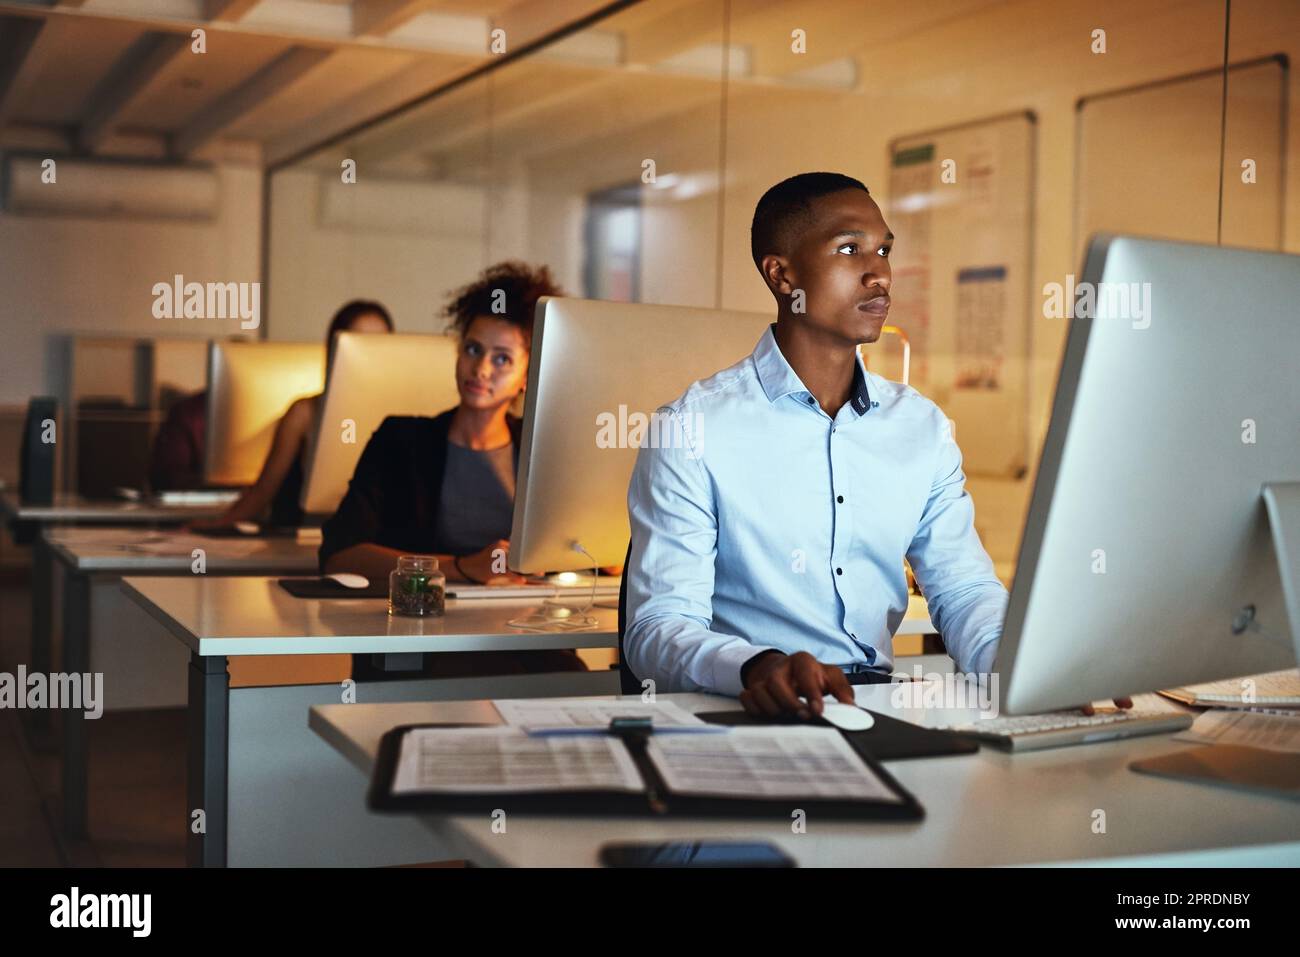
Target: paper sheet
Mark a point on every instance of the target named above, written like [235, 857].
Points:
[586, 712]
[1263, 690]
[1272, 732]
[769, 762]
[506, 760]
[170, 544]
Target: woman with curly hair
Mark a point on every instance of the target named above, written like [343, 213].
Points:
[445, 486]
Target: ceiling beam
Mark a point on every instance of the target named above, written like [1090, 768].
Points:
[227, 10]
[26, 49]
[529, 20]
[374, 18]
[126, 81]
[376, 99]
[297, 22]
[672, 27]
[253, 92]
[463, 117]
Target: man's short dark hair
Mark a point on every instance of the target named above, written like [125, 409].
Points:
[508, 291]
[786, 208]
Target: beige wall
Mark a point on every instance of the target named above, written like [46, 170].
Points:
[65, 274]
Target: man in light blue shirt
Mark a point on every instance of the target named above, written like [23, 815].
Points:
[768, 545]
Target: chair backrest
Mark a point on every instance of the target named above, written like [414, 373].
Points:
[36, 454]
[627, 681]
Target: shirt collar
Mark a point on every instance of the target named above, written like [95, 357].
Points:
[778, 379]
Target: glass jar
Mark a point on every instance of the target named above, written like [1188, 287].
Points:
[416, 588]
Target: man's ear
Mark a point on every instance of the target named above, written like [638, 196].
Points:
[776, 272]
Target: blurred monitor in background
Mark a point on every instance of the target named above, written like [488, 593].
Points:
[247, 384]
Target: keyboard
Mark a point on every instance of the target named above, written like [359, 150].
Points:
[1059, 728]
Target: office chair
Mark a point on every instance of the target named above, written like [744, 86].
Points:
[627, 681]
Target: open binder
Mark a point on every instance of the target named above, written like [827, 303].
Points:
[647, 772]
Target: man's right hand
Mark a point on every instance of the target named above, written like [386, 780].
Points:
[775, 683]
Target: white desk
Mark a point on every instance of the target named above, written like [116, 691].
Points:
[270, 790]
[254, 616]
[31, 519]
[71, 509]
[100, 634]
[988, 808]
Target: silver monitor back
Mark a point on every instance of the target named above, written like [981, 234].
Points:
[250, 386]
[1147, 534]
[591, 360]
[372, 378]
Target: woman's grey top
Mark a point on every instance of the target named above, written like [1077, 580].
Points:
[477, 501]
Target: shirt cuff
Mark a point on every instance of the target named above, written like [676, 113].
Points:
[727, 664]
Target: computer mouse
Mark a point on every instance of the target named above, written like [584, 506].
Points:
[847, 717]
[247, 528]
[349, 580]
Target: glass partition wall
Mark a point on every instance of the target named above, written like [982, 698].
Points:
[997, 136]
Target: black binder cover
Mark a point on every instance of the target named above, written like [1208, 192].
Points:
[655, 800]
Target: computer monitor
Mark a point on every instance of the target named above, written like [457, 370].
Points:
[1148, 560]
[372, 378]
[250, 385]
[594, 367]
[179, 369]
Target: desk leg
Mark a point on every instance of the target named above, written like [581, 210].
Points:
[42, 621]
[76, 660]
[208, 761]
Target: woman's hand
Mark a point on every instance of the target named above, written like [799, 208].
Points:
[489, 566]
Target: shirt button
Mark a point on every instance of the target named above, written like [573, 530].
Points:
[839, 571]
[811, 400]
[840, 499]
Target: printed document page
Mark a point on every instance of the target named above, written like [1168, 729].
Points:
[766, 762]
[506, 760]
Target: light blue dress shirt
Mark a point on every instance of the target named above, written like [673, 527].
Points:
[766, 523]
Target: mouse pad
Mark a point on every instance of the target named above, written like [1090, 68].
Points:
[888, 740]
[1230, 765]
[329, 588]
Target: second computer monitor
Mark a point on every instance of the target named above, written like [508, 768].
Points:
[372, 378]
[250, 385]
[595, 369]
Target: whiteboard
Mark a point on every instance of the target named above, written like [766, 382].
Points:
[961, 204]
[1149, 157]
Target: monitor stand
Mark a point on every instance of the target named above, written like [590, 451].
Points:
[1282, 500]
[1233, 765]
